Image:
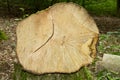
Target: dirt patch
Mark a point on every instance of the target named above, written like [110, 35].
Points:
[107, 24]
[7, 48]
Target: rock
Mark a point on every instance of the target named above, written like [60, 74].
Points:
[111, 62]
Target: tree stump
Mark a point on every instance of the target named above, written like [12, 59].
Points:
[60, 39]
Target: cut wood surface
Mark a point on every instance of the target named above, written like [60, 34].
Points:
[61, 39]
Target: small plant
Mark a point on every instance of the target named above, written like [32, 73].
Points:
[3, 36]
[106, 75]
[24, 15]
[88, 73]
[108, 43]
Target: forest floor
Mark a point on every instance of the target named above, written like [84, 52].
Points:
[8, 47]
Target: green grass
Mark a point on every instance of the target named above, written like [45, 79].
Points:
[3, 36]
[106, 75]
[107, 7]
[83, 74]
[109, 43]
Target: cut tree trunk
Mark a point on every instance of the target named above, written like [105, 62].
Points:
[61, 39]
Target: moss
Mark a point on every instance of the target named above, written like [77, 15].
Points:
[3, 36]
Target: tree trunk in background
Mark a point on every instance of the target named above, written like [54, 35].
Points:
[118, 6]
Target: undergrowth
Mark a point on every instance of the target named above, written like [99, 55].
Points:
[105, 8]
[3, 36]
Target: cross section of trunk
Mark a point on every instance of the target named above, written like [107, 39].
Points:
[61, 39]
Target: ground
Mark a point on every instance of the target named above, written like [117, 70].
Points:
[8, 47]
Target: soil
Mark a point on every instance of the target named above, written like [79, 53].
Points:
[107, 24]
[7, 48]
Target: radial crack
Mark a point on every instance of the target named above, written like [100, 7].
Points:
[47, 39]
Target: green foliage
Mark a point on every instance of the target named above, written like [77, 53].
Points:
[37, 4]
[108, 43]
[106, 75]
[3, 36]
[83, 74]
[88, 73]
[24, 15]
[98, 7]
[106, 7]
